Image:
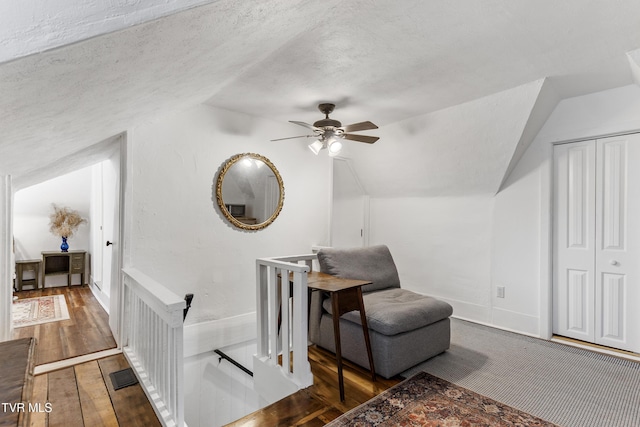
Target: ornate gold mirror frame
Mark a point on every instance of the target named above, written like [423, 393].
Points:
[246, 191]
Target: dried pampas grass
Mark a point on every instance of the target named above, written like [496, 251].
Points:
[63, 222]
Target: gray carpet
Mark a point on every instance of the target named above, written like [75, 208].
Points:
[568, 386]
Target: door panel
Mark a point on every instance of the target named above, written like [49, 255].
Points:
[349, 205]
[612, 308]
[578, 302]
[574, 241]
[617, 242]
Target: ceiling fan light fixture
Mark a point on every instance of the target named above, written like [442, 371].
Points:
[335, 147]
[316, 146]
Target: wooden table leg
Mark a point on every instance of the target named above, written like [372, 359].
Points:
[365, 330]
[19, 277]
[335, 304]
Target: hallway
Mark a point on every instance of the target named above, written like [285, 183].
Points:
[87, 330]
[79, 392]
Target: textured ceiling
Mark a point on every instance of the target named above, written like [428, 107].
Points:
[378, 60]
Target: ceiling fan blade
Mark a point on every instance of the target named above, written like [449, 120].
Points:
[292, 137]
[360, 138]
[359, 126]
[307, 125]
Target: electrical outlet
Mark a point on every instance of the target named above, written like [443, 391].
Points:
[500, 293]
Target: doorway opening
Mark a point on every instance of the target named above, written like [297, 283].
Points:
[94, 190]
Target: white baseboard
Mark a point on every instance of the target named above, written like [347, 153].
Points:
[214, 334]
[517, 322]
[466, 310]
[494, 317]
[100, 296]
[491, 325]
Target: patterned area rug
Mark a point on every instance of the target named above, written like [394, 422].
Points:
[34, 311]
[425, 400]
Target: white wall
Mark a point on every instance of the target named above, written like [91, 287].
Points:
[217, 392]
[521, 252]
[32, 208]
[520, 244]
[461, 248]
[175, 233]
[441, 246]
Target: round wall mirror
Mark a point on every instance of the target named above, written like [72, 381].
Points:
[249, 191]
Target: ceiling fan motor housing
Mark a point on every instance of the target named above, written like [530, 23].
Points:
[324, 123]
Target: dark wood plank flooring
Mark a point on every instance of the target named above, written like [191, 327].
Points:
[320, 403]
[83, 396]
[87, 331]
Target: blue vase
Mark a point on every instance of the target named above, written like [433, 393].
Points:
[64, 247]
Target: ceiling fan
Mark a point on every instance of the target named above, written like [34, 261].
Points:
[330, 133]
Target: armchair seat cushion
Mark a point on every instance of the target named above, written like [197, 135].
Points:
[396, 310]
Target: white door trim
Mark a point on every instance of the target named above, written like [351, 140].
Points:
[6, 256]
[116, 301]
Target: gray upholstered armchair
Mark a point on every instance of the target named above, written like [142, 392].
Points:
[405, 328]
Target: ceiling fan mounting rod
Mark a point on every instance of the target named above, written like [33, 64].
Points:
[326, 109]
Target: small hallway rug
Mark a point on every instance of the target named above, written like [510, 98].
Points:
[426, 400]
[34, 311]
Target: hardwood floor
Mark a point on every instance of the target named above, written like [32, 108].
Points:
[82, 394]
[87, 331]
[320, 403]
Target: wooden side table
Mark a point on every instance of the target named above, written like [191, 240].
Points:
[346, 296]
[23, 266]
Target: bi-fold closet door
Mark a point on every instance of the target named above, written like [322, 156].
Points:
[596, 289]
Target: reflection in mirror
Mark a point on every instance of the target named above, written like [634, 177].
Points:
[249, 191]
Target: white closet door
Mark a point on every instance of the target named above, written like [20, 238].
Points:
[574, 241]
[617, 261]
[597, 241]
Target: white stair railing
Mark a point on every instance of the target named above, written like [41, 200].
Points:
[152, 339]
[281, 366]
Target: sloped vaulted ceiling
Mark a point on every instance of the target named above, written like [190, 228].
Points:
[468, 149]
[451, 84]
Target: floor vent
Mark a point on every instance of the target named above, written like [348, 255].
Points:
[123, 378]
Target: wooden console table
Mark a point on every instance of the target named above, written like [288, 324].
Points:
[61, 263]
[346, 296]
